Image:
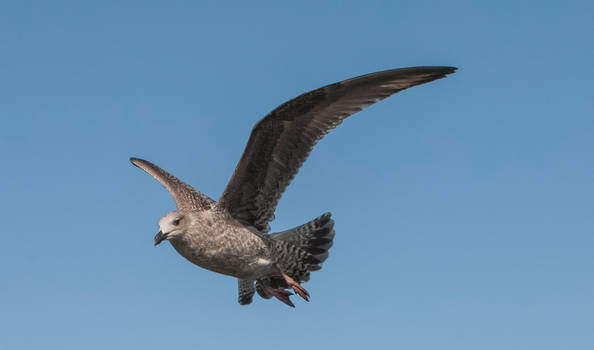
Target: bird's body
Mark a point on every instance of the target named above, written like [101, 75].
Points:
[230, 236]
[217, 242]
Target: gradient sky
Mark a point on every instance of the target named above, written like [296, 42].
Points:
[463, 208]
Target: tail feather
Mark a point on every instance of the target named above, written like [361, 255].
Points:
[315, 237]
[299, 250]
[304, 248]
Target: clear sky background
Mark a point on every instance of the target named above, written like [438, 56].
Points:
[463, 208]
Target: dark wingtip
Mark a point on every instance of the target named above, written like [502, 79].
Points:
[442, 71]
[450, 70]
[135, 161]
[431, 73]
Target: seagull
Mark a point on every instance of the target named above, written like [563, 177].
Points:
[231, 236]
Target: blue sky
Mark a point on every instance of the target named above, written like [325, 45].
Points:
[463, 207]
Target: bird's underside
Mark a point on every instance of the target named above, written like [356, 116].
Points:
[231, 236]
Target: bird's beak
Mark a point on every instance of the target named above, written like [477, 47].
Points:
[160, 237]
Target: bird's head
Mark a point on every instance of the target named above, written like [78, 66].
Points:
[171, 226]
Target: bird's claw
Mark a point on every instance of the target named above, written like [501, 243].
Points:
[296, 287]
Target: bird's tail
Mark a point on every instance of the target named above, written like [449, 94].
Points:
[315, 238]
[301, 250]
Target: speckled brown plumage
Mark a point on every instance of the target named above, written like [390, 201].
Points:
[231, 236]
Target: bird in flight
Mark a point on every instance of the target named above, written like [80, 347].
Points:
[231, 236]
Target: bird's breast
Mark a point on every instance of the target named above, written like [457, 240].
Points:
[232, 251]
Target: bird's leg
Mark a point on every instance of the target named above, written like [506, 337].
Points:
[296, 286]
[280, 294]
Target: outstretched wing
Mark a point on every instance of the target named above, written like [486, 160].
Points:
[184, 195]
[281, 141]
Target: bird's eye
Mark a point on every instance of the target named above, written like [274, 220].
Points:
[176, 221]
